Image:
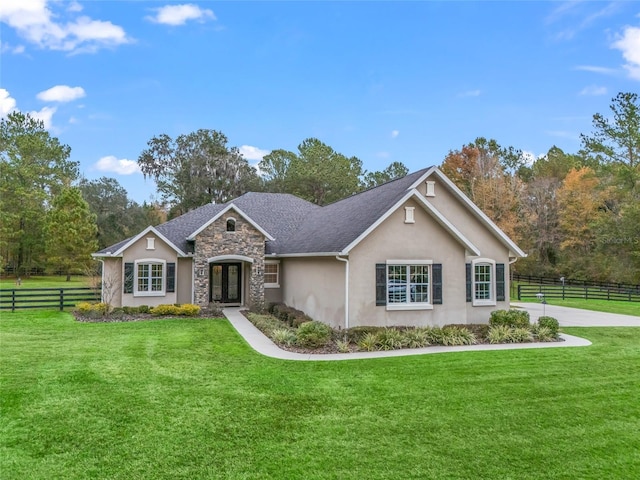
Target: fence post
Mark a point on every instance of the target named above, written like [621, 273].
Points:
[586, 293]
[61, 299]
[519, 291]
[563, 291]
[13, 300]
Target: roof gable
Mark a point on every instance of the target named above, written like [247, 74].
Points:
[231, 206]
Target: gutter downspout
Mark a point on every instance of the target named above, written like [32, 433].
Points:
[346, 290]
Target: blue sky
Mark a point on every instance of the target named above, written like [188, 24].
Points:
[383, 81]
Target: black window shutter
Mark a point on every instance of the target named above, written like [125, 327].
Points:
[381, 284]
[128, 278]
[500, 290]
[171, 277]
[469, 296]
[436, 283]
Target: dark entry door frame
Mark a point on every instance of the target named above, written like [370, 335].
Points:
[225, 283]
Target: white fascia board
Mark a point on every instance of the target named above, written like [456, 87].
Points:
[479, 214]
[221, 213]
[422, 178]
[297, 255]
[413, 193]
[147, 230]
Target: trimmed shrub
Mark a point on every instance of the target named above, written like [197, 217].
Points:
[92, 309]
[144, 309]
[267, 324]
[355, 334]
[390, 339]
[290, 316]
[188, 310]
[313, 334]
[510, 318]
[434, 335]
[550, 323]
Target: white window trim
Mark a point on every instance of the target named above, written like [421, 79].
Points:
[410, 306]
[151, 243]
[147, 293]
[277, 284]
[483, 303]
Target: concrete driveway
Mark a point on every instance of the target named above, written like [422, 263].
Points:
[575, 317]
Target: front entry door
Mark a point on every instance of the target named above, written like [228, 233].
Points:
[225, 282]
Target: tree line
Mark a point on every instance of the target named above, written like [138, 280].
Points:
[576, 214]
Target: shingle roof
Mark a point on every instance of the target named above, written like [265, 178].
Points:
[297, 225]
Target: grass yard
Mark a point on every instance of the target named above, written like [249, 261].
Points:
[626, 308]
[188, 399]
[50, 281]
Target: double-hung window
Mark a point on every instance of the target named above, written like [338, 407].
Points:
[272, 274]
[408, 286]
[486, 282]
[150, 277]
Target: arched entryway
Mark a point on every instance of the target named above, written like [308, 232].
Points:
[227, 279]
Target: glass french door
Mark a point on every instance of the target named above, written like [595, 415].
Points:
[225, 283]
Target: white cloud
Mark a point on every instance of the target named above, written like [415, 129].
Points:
[7, 103]
[45, 115]
[252, 153]
[6, 48]
[530, 157]
[470, 93]
[596, 69]
[120, 166]
[61, 93]
[74, 7]
[593, 90]
[395, 133]
[181, 14]
[38, 24]
[629, 44]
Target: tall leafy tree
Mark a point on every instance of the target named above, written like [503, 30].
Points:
[117, 217]
[34, 167]
[316, 172]
[196, 169]
[70, 233]
[479, 169]
[393, 171]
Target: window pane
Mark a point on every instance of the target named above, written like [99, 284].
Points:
[482, 277]
[397, 283]
[271, 273]
[419, 283]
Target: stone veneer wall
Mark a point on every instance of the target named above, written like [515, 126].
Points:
[214, 241]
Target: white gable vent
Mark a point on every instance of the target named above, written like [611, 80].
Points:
[408, 215]
[431, 188]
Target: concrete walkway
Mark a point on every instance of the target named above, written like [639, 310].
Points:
[262, 344]
[575, 317]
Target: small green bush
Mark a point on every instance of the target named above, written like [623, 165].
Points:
[550, 323]
[292, 317]
[521, 335]
[188, 310]
[457, 336]
[92, 309]
[355, 334]
[343, 346]
[499, 334]
[144, 309]
[544, 334]
[368, 342]
[434, 335]
[416, 338]
[265, 323]
[390, 339]
[313, 334]
[284, 336]
[510, 318]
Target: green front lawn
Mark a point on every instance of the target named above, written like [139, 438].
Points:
[189, 399]
[625, 308]
[49, 281]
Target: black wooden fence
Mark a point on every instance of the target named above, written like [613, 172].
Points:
[571, 291]
[59, 298]
[538, 280]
